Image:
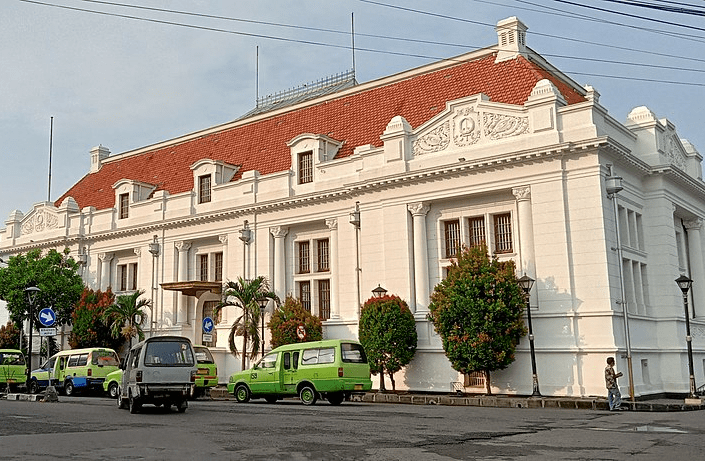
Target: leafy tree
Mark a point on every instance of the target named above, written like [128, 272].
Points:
[286, 320]
[10, 336]
[89, 327]
[126, 316]
[244, 294]
[477, 311]
[388, 334]
[55, 274]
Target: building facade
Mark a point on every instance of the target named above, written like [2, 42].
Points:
[379, 183]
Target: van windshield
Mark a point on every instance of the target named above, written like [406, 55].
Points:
[168, 354]
[352, 353]
[203, 355]
[11, 358]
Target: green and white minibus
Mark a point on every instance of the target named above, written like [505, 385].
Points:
[75, 370]
[13, 369]
[333, 369]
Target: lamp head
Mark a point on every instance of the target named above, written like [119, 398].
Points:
[684, 283]
[526, 283]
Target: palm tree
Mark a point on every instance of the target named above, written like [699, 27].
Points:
[123, 316]
[244, 294]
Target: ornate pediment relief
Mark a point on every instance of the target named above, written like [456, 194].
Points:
[469, 122]
[39, 220]
[672, 148]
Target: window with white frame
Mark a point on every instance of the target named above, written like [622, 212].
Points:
[451, 232]
[203, 268]
[124, 211]
[473, 231]
[209, 267]
[127, 277]
[218, 266]
[204, 188]
[312, 274]
[305, 167]
[634, 266]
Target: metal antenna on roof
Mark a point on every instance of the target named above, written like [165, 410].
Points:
[257, 79]
[352, 34]
[51, 143]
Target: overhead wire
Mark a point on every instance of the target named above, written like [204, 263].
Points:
[316, 43]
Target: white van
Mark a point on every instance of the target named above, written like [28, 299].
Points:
[161, 371]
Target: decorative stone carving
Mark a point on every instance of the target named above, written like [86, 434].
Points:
[223, 238]
[435, 140]
[418, 208]
[674, 152]
[465, 127]
[499, 126]
[522, 193]
[40, 221]
[693, 224]
[138, 251]
[332, 223]
[278, 231]
[182, 245]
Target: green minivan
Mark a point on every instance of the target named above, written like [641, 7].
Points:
[75, 370]
[332, 369]
[13, 369]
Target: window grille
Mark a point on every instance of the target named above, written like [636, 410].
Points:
[305, 295]
[204, 189]
[305, 167]
[124, 200]
[323, 250]
[503, 233]
[203, 267]
[477, 231]
[452, 238]
[218, 267]
[324, 299]
[304, 263]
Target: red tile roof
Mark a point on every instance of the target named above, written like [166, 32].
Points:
[356, 118]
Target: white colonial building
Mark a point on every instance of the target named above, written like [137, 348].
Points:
[359, 185]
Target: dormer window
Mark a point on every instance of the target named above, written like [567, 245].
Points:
[124, 206]
[305, 167]
[204, 188]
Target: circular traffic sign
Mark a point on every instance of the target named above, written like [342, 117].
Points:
[47, 317]
[301, 332]
[207, 324]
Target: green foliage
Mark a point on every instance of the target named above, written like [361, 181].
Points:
[244, 294]
[477, 311]
[126, 316]
[89, 328]
[286, 320]
[10, 336]
[55, 274]
[388, 334]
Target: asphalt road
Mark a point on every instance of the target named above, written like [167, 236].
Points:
[91, 428]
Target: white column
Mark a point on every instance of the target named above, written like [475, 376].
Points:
[279, 284]
[182, 310]
[105, 259]
[224, 240]
[333, 267]
[697, 269]
[526, 235]
[418, 211]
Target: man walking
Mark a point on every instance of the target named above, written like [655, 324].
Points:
[613, 396]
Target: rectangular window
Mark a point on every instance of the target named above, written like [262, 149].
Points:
[204, 189]
[73, 361]
[305, 167]
[304, 263]
[218, 269]
[124, 205]
[122, 277]
[132, 282]
[323, 250]
[305, 295]
[452, 237]
[203, 267]
[477, 231]
[324, 299]
[503, 233]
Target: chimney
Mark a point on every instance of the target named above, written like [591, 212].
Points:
[511, 39]
[98, 154]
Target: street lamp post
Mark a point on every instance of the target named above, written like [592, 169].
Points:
[684, 283]
[526, 284]
[613, 185]
[31, 293]
[379, 292]
[262, 306]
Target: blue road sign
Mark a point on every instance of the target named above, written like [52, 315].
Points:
[207, 325]
[47, 317]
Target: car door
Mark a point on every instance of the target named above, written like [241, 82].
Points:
[290, 366]
[264, 378]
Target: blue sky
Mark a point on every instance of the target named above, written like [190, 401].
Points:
[127, 83]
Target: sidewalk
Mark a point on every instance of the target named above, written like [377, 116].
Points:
[508, 401]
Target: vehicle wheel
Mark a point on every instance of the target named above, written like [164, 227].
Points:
[181, 406]
[134, 405]
[34, 387]
[68, 388]
[271, 399]
[335, 398]
[112, 390]
[308, 395]
[242, 393]
[120, 401]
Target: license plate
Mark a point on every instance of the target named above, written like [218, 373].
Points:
[358, 387]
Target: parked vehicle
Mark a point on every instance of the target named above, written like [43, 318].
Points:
[207, 376]
[75, 370]
[13, 369]
[333, 369]
[160, 370]
[111, 383]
